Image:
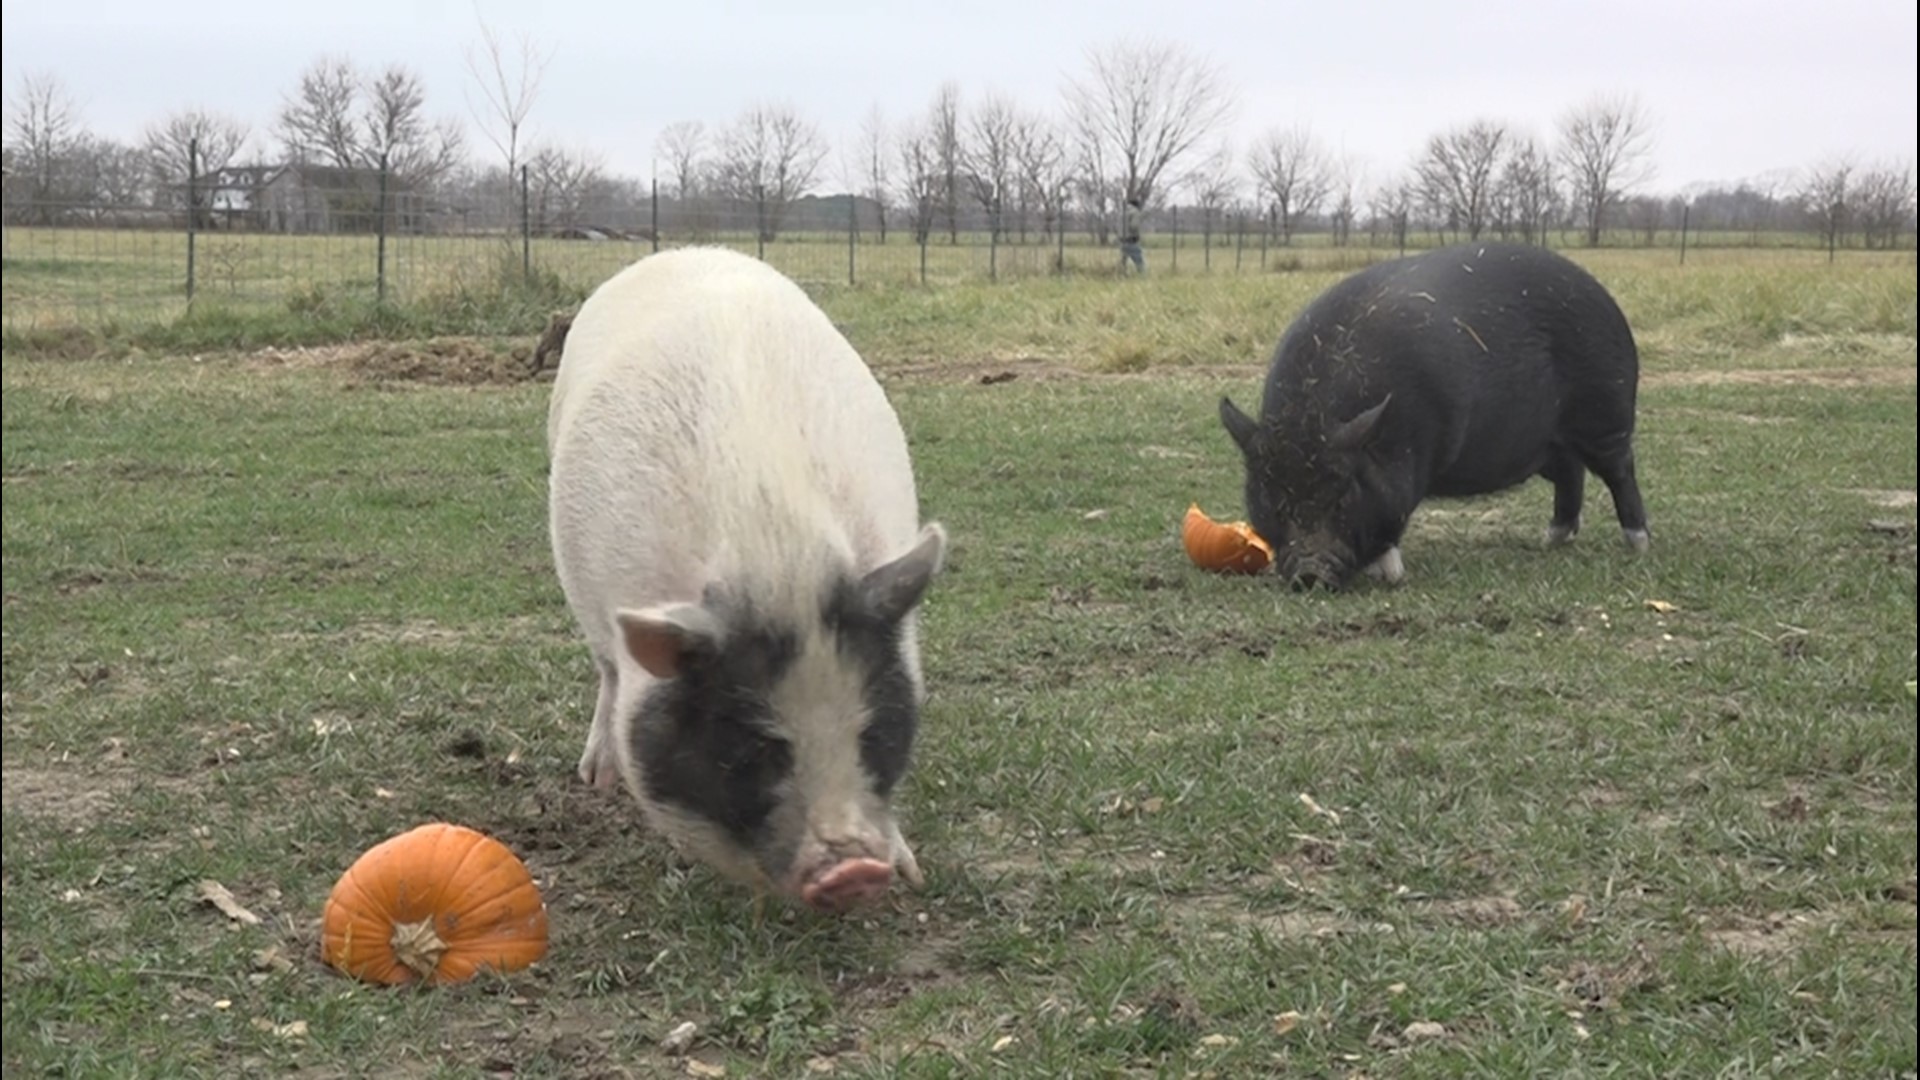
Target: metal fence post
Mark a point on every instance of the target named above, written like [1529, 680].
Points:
[380, 237]
[853, 231]
[1685, 211]
[193, 167]
[526, 226]
[1175, 262]
[993, 245]
[1060, 238]
[653, 214]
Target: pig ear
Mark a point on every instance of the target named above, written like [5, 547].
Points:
[661, 639]
[1356, 433]
[1238, 424]
[893, 589]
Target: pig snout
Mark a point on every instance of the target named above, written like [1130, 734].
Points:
[846, 884]
[1307, 574]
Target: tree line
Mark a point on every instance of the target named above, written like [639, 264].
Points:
[1144, 121]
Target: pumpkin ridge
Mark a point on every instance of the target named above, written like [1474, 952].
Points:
[466, 904]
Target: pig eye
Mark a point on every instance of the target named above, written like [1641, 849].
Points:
[755, 749]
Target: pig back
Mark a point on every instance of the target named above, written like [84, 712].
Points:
[708, 422]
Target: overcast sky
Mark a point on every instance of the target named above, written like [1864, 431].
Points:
[1736, 87]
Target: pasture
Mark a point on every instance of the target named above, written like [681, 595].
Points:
[1533, 813]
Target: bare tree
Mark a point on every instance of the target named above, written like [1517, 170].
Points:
[1215, 186]
[943, 126]
[1392, 208]
[919, 177]
[683, 145]
[1525, 190]
[768, 157]
[43, 126]
[1040, 162]
[870, 167]
[318, 123]
[506, 89]
[1139, 112]
[1882, 204]
[336, 117]
[398, 136]
[1604, 146]
[197, 143]
[119, 178]
[1457, 173]
[988, 153]
[1343, 180]
[1291, 170]
[1824, 195]
[559, 181]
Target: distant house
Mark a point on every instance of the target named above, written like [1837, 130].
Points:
[310, 198]
[233, 199]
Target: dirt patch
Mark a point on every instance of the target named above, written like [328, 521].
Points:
[1828, 377]
[993, 372]
[447, 361]
[430, 633]
[1893, 498]
[1225, 910]
[1768, 937]
[1484, 912]
[61, 795]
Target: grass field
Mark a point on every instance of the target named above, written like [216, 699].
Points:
[1533, 813]
[76, 277]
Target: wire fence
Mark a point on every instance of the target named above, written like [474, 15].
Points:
[294, 239]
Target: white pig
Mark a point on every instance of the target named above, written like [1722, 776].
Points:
[735, 525]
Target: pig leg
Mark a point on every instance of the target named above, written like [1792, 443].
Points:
[1388, 567]
[902, 857]
[1613, 464]
[599, 766]
[1569, 478]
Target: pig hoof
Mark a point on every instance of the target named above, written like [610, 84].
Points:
[1562, 534]
[908, 867]
[847, 885]
[1638, 539]
[599, 770]
[1389, 567]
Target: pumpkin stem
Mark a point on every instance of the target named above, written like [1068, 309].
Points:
[418, 947]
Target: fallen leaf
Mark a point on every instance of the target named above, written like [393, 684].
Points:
[212, 892]
[1574, 909]
[1286, 1022]
[822, 1065]
[271, 959]
[1003, 1042]
[680, 1038]
[1217, 1041]
[1317, 810]
[295, 1029]
[1421, 1030]
[696, 1067]
[1093, 515]
[1396, 989]
[1791, 808]
[1663, 607]
[1153, 805]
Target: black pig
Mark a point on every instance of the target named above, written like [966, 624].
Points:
[1461, 371]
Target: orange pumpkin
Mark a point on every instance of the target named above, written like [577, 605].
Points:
[1228, 547]
[437, 904]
